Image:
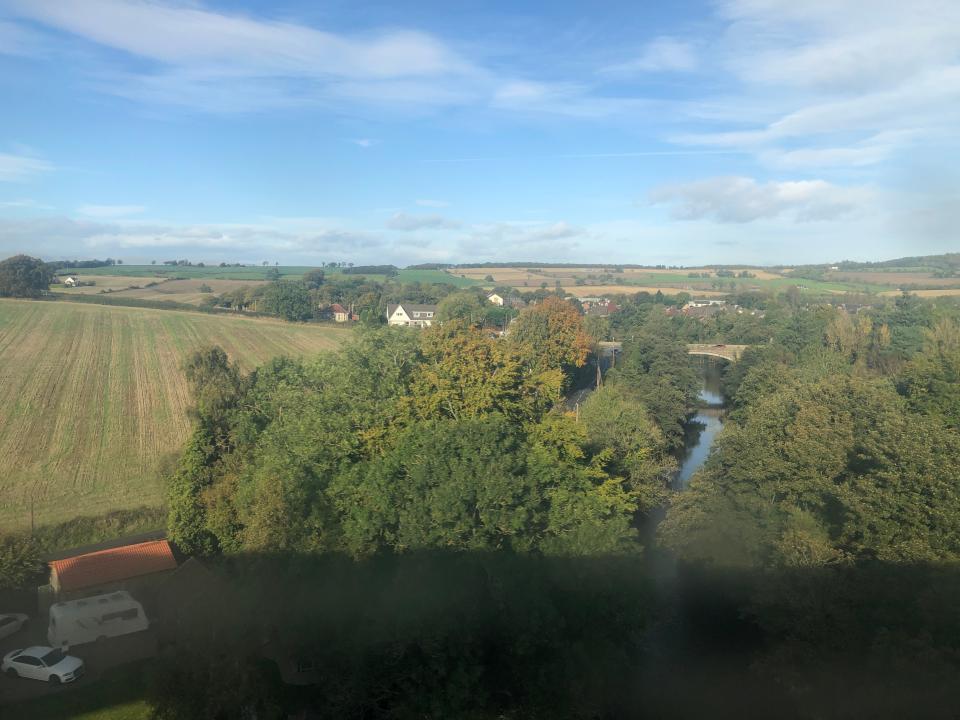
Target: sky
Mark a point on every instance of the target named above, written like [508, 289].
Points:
[761, 132]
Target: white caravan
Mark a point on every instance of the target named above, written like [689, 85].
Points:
[75, 622]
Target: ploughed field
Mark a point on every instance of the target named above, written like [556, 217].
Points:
[93, 399]
[182, 291]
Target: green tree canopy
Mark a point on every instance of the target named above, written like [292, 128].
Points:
[465, 305]
[822, 471]
[313, 279]
[550, 337]
[659, 371]
[289, 300]
[24, 277]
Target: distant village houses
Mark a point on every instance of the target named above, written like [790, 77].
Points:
[410, 315]
[512, 300]
[599, 307]
[705, 309]
[71, 281]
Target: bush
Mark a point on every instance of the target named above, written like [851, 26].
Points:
[19, 560]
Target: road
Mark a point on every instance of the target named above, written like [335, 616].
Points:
[98, 658]
[577, 397]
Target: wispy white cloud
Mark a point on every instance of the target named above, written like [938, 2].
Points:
[72, 237]
[25, 204]
[17, 168]
[409, 223]
[840, 83]
[567, 99]
[665, 54]
[226, 63]
[185, 35]
[514, 240]
[15, 39]
[843, 47]
[364, 142]
[743, 200]
[110, 211]
[231, 62]
[870, 151]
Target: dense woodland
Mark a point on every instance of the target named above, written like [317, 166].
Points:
[509, 558]
[423, 516]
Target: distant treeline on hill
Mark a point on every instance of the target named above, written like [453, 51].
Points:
[611, 267]
[388, 270]
[554, 265]
[69, 264]
[947, 261]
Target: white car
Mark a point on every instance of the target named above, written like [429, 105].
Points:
[42, 663]
[11, 623]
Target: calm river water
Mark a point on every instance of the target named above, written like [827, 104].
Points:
[704, 426]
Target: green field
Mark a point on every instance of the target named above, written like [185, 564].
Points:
[250, 272]
[259, 272]
[93, 402]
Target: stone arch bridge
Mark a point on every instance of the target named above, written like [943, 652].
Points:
[730, 353]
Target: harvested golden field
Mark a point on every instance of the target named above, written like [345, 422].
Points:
[939, 292]
[101, 283]
[187, 291]
[600, 290]
[533, 277]
[93, 401]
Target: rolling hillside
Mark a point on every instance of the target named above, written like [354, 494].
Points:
[93, 402]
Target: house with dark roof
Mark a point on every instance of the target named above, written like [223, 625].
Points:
[130, 567]
[411, 315]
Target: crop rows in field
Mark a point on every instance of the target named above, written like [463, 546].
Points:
[93, 401]
[669, 281]
[139, 274]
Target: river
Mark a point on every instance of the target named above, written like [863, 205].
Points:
[703, 427]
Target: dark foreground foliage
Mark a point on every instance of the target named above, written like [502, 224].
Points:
[498, 635]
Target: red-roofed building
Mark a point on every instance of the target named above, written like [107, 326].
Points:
[340, 313]
[124, 568]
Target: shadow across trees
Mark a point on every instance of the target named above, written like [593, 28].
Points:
[504, 635]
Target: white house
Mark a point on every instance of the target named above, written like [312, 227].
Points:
[410, 315]
[70, 281]
[495, 299]
[340, 313]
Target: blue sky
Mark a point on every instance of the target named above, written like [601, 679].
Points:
[739, 131]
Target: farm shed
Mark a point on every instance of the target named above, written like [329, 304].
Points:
[138, 568]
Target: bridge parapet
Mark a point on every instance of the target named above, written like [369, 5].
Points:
[731, 353]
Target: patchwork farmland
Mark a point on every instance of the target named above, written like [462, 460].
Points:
[93, 401]
[182, 291]
[706, 281]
